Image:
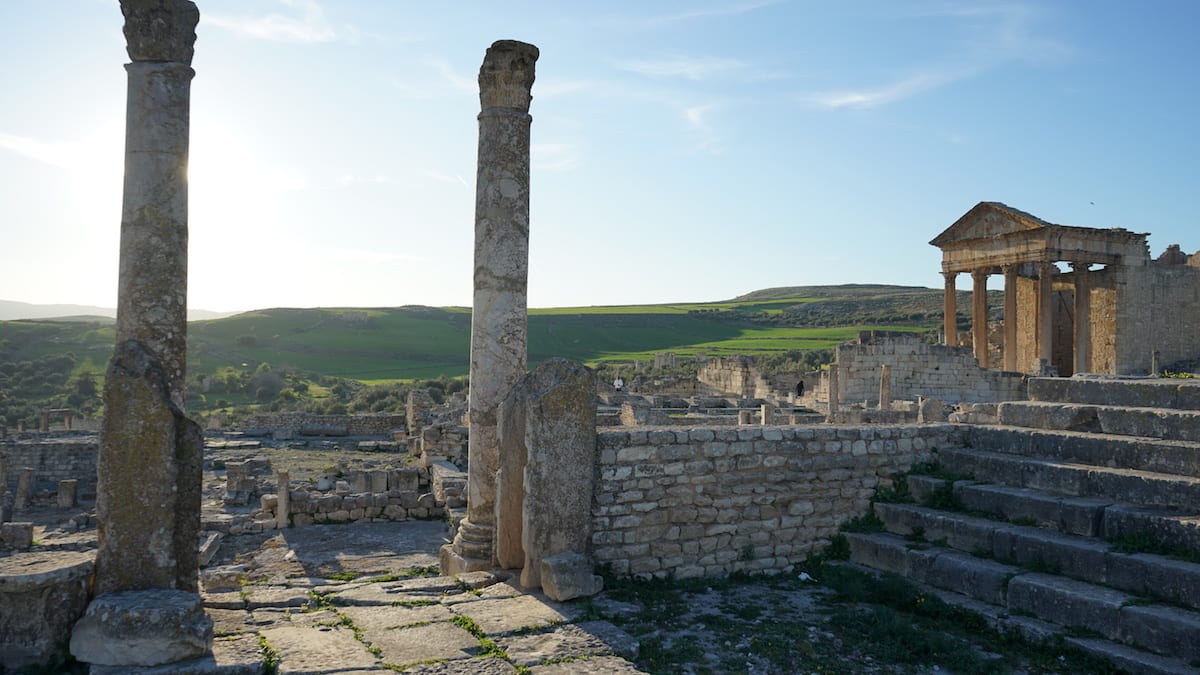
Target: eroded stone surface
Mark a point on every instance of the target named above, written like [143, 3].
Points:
[41, 597]
[142, 628]
[317, 650]
[160, 30]
[429, 642]
[504, 615]
[598, 665]
[574, 641]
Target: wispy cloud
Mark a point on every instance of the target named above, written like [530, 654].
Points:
[991, 36]
[450, 76]
[445, 177]
[55, 154]
[301, 21]
[884, 94]
[732, 9]
[348, 179]
[688, 67]
[554, 156]
[697, 120]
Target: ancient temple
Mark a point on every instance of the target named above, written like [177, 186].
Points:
[1076, 299]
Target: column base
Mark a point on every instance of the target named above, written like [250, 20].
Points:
[471, 550]
[142, 628]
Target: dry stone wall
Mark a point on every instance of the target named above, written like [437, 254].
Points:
[53, 461]
[711, 501]
[920, 369]
[292, 424]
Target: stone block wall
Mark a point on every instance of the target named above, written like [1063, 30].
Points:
[710, 501]
[292, 424]
[52, 461]
[920, 369]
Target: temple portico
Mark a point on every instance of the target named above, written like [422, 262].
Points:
[1083, 320]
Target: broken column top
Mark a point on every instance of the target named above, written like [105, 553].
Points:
[160, 30]
[506, 76]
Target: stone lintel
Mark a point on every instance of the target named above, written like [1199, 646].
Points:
[160, 30]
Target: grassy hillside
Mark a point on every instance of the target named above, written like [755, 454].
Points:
[307, 353]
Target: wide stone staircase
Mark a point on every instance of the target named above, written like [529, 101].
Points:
[1078, 515]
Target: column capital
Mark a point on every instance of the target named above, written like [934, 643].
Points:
[160, 30]
[949, 276]
[1080, 266]
[506, 76]
[979, 274]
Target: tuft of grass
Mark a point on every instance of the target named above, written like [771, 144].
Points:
[1024, 521]
[488, 646]
[866, 523]
[943, 498]
[1145, 542]
[270, 656]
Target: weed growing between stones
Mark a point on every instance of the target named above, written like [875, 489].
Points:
[936, 470]
[943, 498]
[488, 646]
[269, 655]
[1145, 542]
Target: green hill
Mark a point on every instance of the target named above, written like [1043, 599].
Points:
[307, 352]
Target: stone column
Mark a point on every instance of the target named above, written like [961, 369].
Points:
[833, 388]
[979, 332]
[766, 414]
[949, 309]
[44, 422]
[885, 387]
[1083, 317]
[1045, 312]
[24, 489]
[67, 491]
[498, 319]
[149, 466]
[283, 503]
[1010, 318]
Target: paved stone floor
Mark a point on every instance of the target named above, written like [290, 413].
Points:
[312, 623]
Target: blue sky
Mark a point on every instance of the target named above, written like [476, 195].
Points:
[682, 151]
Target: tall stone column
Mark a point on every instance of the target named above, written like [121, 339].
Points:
[834, 394]
[1045, 311]
[498, 319]
[885, 387]
[949, 310]
[1010, 318]
[979, 339]
[1083, 317]
[149, 467]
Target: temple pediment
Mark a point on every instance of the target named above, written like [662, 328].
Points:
[989, 220]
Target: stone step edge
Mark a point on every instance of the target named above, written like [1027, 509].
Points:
[1024, 580]
[1186, 412]
[1110, 519]
[1034, 630]
[1114, 568]
[1092, 435]
[1057, 465]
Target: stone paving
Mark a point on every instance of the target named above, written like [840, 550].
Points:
[472, 623]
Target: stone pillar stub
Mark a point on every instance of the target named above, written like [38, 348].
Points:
[1010, 318]
[510, 478]
[68, 493]
[148, 527]
[885, 387]
[499, 331]
[283, 504]
[24, 491]
[834, 394]
[560, 468]
[950, 309]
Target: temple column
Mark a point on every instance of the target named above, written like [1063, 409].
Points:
[1045, 312]
[1083, 317]
[979, 317]
[949, 310]
[1010, 318]
[498, 319]
[149, 466]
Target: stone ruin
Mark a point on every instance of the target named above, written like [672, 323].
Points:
[732, 472]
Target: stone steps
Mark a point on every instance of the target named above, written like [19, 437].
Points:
[1143, 488]
[1153, 392]
[1127, 658]
[1071, 604]
[1159, 423]
[1082, 558]
[1130, 452]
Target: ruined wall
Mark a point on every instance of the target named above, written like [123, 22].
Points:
[289, 424]
[52, 461]
[736, 376]
[711, 501]
[920, 369]
[1175, 299]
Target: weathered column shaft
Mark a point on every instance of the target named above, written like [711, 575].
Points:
[1045, 312]
[498, 319]
[24, 489]
[1083, 318]
[149, 467]
[949, 309]
[1010, 318]
[283, 505]
[979, 331]
[833, 388]
[885, 387]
